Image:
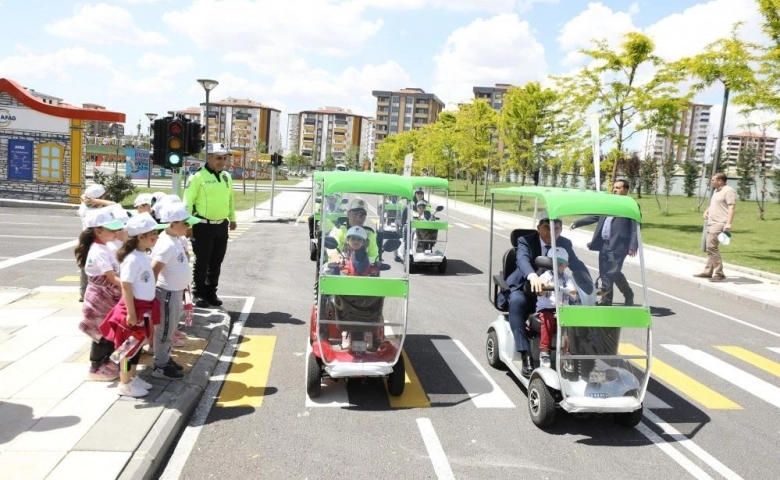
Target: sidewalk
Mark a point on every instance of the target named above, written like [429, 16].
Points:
[742, 284]
[288, 206]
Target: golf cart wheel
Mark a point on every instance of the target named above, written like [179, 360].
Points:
[541, 404]
[629, 419]
[397, 379]
[443, 265]
[491, 351]
[313, 376]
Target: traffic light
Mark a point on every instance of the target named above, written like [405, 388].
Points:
[159, 129]
[175, 145]
[194, 137]
[276, 160]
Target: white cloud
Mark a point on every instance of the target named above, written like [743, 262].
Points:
[491, 6]
[103, 24]
[61, 64]
[166, 66]
[578, 32]
[501, 49]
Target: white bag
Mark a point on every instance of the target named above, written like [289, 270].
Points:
[724, 238]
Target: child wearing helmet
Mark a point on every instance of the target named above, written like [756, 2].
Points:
[545, 304]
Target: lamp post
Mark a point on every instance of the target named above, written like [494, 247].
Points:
[151, 117]
[208, 86]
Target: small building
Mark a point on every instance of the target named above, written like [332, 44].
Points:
[42, 146]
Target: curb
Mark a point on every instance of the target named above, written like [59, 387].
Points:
[180, 400]
[14, 203]
[285, 219]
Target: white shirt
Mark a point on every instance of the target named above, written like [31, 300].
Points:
[83, 209]
[136, 269]
[177, 273]
[548, 300]
[101, 259]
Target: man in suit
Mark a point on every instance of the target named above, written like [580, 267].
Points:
[520, 304]
[614, 238]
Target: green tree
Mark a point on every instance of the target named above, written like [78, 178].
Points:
[630, 165]
[764, 93]
[648, 173]
[668, 169]
[746, 168]
[476, 124]
[329, 163]
[776, 182]
[625, 104]
[690, 177]
[435, 149]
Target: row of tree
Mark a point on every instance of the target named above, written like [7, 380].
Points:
[545, 131]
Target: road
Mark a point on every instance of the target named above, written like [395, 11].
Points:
[712, 411]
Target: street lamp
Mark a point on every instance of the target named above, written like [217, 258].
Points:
[151, 117]
[208, 86]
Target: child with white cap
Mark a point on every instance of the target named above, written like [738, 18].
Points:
[103, 290]
[545, 303]
[129, 318]
[171, 265]
[92, 198]
[143, 202]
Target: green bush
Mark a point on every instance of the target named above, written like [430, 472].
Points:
[118, 186]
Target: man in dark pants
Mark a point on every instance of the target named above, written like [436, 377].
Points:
[520, 304]
[209, 196]
[614, 239]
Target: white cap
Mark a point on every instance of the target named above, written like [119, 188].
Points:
[217, 149]
[163, 201]
[358, 204]
[422, 203]
[357, 232]
[119, 213]
[143, 223]
[177, 212]
[157, 196]
[559, 253]
[95, 191]
[103, 217]
[143, 199]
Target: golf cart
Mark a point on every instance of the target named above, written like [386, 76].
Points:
[588, 374]
[325, 213]
[429, 244]
[358, 321]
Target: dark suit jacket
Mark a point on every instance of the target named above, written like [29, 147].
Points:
[528, 248]
[622, 234]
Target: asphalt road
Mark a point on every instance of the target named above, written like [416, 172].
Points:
[712, 412]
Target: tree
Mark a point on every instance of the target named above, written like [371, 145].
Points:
[629, 164]
[668, 168]
[476, 124]
[329, 163]
[776, 182]
[435, 149]
[648, 172]
[352, 158]
[690, 177]
[746, 167]
[764, 93]
[625, 104]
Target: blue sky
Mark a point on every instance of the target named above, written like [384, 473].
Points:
[137, 56]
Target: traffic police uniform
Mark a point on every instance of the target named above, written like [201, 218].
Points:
[340, 233]
[209, 196]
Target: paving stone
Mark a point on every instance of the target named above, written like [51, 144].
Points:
[97, 465]
[29, 465]
[18, 416]
[122, 428]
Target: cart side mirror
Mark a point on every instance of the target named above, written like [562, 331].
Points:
[543, 262]
[384, 267]
[344, 201]
[440, 208]
[391, 245]
[331, 243]
[583, 281]
[318, 200]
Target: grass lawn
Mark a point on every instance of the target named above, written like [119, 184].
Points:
[242, 201]
[754, 245]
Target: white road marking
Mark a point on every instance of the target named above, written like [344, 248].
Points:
[462, 225]
[654, 403]
[40, 253]
[36, 237]
[190, 435]
[333, 394]
[750, 383]
[688, 444]
[675, 455]
[71, 260]
[774, 349]
[435, 451]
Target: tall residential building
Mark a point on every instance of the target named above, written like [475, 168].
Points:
[493, 95]
[368, 139]
[691, 130]
[403, 110]
[102, 129]
[242, 123]
[192, 113]
[315, 133]
[738, 142]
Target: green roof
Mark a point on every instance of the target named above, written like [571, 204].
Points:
[561, 202]
[369, 183]
[433, 182]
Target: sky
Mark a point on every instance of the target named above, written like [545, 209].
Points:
[138, 56]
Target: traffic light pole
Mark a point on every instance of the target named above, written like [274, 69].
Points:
[273, 184]
[176, 182]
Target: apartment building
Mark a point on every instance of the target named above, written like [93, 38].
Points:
[241, 123]
[315, 133]
[47, 99]
[738, 142]
[493, 95]
[686, 139]
[368, 139]
[192, 113]
[105, 130]
[403, 110]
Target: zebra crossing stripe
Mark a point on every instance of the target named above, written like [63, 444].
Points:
[752, 358]
[750, 383]
[461, 225]
[774, 349]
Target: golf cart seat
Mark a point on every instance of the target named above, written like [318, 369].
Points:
[500, 287]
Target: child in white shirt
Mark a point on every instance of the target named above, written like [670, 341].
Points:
[546, 302]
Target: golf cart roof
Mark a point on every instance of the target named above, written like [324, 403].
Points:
[369, 183]
[432, 182]
[561, 202]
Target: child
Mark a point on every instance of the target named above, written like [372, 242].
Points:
[545, 304]
[172, 267]
[143, 202]
[99, 263]
[128, 317]
[355, 252]
[91, 199]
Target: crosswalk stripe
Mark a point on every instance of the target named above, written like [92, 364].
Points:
[461, 225]
[69, 278]
[750, 383]
[483, 390]
[481, 227]
[752, 358]
[682, 382]
[500, 229]
[245, 387]
[774, 349]
[414, 396]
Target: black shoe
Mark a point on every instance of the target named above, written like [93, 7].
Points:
[167, 372]
[175, 365]
[528, 365]
[604, 302]
[201, 303]
[214, 300]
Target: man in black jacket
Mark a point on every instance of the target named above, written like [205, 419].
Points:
[520, 304]
[614, 239]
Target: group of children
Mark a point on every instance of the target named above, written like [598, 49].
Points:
[135, 286]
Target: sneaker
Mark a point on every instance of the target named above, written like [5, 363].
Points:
[703, 275]
[147, 349]
[141, 383]
[132, 389]
[346, 340]
[167, 372]
[544, 359]
[104, 374]
[178, 341]
[717, 278]
[175, 365]
[179, 334]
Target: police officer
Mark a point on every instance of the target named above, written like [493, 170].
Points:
[209, 196]
[356, 217]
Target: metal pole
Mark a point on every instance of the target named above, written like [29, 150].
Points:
[273, 181]
[149, 164]
[716, 160]
[176, 182]
[243, 167]
[254, 203]
[207, 120]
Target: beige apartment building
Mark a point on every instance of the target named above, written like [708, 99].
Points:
[686, 139]
[241, 123]
[192, 113]
[403, 110]
[738, 142]
[315, 133]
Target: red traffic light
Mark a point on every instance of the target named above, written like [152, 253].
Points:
[175, 128]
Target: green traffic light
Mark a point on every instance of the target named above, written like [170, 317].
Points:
[174, 159]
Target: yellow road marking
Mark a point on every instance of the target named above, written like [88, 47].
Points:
[247, 379]
[414, 396]
[481, 227]
[752, 358]
[69, 278]
[699, 392]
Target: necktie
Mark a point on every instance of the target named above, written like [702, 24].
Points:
[546, 250]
